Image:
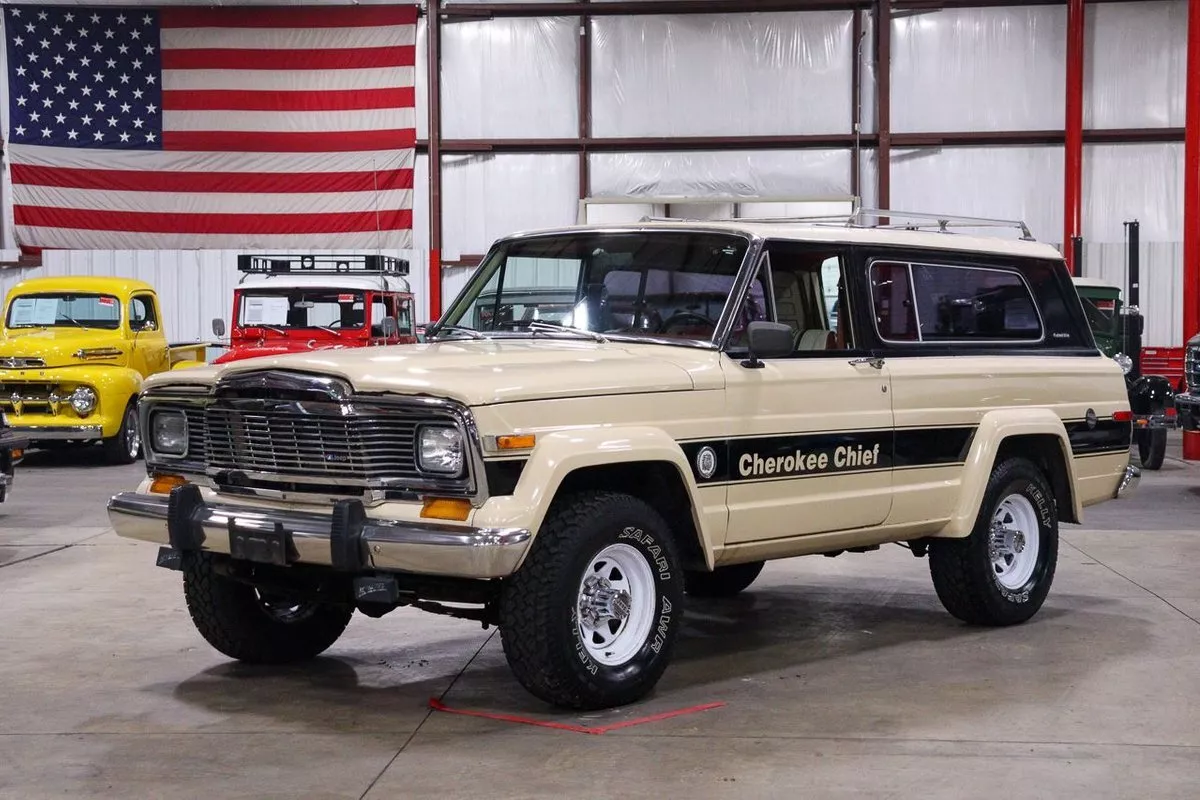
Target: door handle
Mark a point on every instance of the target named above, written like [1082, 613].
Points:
[874, 361]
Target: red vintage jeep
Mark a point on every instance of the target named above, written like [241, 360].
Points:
[291, 304]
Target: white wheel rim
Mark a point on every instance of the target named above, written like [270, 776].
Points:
[616, 604]
[1015, 542]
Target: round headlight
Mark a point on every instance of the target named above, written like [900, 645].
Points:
[168, 433]
[1124, 361]
[83, 400]
[440, 450]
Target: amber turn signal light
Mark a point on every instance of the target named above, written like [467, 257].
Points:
[163, 484]
[515, 442]
[446, 508]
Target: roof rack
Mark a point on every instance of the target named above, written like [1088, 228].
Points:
[914, 221]
[364, 264]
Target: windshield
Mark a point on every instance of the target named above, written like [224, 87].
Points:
[64, 310]
[1101, 315]
[333, 309]
[651, 283]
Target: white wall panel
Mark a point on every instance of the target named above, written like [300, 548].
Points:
[510, 78]
[1142, 182]
[489, 196]
[979, 69]
[722, 75]
[998, 182]
[1136, 66]
[794, 174]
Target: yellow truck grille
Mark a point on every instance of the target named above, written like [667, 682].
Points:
[19, 398]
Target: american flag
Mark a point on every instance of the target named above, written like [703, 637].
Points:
[182, 128]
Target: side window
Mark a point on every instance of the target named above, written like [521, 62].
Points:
[966, 303]
[891, 297]
[142, 311]
[404, 319]
[809, 295]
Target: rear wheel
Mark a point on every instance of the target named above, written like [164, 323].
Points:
[254, 626]
[1001, 573]
[1152, 447]
[126, 446]
[722, 581]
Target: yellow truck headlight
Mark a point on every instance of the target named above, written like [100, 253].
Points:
[83, 400]
[168, 433]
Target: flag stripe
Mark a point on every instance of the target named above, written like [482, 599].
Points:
[218, 204]
[228, 182]
[289, 80]
[76, 239]
[371, 119]
[138, 222]
[311, 17]
[349, 100]
[291, 38]
[303, 142]
[202, 162]
[333, 59]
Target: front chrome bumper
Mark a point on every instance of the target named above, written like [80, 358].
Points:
[383, 545]
[59, 433]
[1129, 481]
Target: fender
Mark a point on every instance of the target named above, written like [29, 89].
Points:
[114, 386]
[559, 454]
[994, 428]
[1150, 393]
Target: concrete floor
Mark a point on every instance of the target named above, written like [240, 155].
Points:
[841, 678]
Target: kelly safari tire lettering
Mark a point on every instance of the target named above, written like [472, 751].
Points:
[590, 619]
[1002, 572]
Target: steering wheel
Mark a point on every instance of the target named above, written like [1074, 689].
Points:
[683, 318]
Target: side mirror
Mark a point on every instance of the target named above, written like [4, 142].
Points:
[218, 327]
[140, 325]
[768, 340]
[390, 327]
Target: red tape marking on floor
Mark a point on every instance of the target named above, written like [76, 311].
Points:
[438, 705]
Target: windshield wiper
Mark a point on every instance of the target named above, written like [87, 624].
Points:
[74, 321]
[468, 332]
[541, 326]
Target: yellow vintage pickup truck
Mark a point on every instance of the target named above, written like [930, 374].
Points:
[73, 354]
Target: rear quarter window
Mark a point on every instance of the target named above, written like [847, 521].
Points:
[951, 303]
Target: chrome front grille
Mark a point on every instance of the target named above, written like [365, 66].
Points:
[361, 449]
[18, 397]
[291, 434]
[1191, 366]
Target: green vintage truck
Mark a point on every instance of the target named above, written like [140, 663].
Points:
[1118, 333]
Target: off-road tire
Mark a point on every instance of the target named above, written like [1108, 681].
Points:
[232, 618]
[962, 569]
[539, 607]
[1152, 447]
[117, 448]
[722, 581]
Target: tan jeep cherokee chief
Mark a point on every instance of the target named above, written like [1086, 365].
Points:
[609, 418]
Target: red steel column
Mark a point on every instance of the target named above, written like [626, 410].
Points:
[1073, 155]
[433, 30]
[1191, 202]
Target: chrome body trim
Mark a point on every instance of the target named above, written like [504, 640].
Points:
[389, 545]
[1129, 481]
[56, 433]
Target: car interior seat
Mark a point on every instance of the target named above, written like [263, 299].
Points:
[816, 339]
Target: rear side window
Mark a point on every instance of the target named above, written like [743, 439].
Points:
[959, 304]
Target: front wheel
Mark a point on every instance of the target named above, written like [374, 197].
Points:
[126, 446]
[254, 626]
[1152, 447]
[590, 619]
[1001, 573]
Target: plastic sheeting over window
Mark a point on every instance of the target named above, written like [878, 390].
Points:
[790, 174]
[1022, 183]
[722, 75]
[510, 78]
[1136, 67]
[979, 69]
[1122, 182]
[490, 196]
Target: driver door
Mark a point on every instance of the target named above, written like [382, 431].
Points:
[149, 351]
[812, 447]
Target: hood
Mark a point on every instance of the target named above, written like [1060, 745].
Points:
[56, 347]
[281, 348]
[492, 371]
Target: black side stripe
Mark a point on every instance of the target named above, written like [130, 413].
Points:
[1107, 437]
